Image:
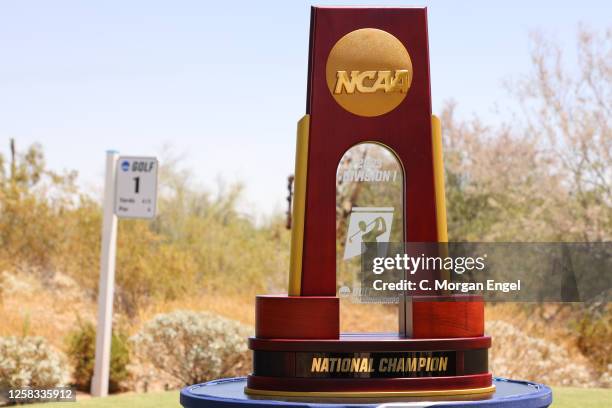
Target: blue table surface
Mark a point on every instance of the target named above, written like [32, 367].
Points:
[229, 393]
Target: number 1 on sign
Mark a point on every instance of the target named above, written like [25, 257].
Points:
[136, 185]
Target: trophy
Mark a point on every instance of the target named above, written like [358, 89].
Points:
[368, 94]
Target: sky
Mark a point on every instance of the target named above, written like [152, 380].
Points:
[83, 77]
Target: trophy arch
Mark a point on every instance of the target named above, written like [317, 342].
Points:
[370, 203]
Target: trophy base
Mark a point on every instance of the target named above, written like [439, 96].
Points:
[298, 351]
[370, 365]
[230, 393]
[461, 393]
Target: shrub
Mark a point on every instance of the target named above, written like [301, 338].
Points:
[594, 329]
[515, 354]
[30, 362]
[193, 347]
[82, 349]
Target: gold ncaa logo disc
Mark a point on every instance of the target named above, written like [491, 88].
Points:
[369, 72]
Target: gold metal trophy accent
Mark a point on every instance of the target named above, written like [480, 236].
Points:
[369, 72]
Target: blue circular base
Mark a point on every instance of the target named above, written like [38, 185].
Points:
[229, 393]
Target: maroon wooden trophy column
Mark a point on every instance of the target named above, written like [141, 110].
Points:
[368, 81]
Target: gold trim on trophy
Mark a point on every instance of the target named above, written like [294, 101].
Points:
[299, 207]
[373, 394]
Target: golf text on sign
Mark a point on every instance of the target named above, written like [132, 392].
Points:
[136, 193]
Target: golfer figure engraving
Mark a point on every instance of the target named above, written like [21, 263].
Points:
[367, 224]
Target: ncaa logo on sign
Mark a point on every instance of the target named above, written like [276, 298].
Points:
[125, 166]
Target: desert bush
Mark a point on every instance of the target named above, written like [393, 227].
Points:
[515, 354]
[82, 353]
[48, 225]
[31, 200]
[226, 245]
[192, 347]
[594, 328]
[30, 362]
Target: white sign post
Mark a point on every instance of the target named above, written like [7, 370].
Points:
[106, 289]
[130, 191]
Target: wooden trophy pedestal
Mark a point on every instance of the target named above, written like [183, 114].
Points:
[298, 351]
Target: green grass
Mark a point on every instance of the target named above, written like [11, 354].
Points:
[582, 397]
[563, 398]
[168, 399]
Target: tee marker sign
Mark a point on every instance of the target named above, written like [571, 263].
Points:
[136, 191]
[130, 191]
